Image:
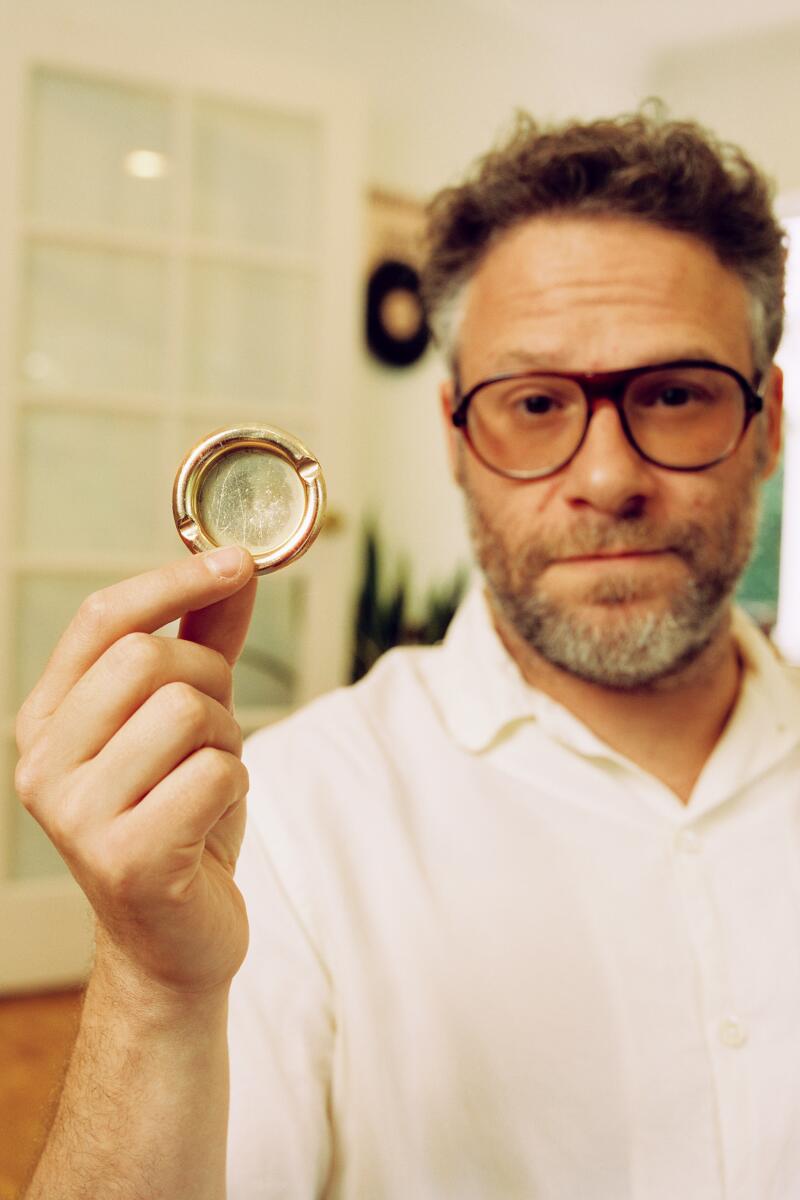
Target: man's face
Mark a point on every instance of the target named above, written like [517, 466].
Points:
[613, 569]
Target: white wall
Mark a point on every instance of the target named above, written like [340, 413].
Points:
[747, 88]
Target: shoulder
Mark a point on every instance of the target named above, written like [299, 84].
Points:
[349, 728]
[777, 679]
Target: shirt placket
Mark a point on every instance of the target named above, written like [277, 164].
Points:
[723, 1013]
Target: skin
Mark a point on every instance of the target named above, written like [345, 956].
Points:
[599, 294]
[130, 760]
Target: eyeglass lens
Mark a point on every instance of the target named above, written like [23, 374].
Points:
[685, 417]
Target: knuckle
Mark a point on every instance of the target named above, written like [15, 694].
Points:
[32, 774]
[237, 737]
[62, 821]
[94, 612]
[137, 653]
[220, 770]
[27, 781]
[244, 779]
[186, 706]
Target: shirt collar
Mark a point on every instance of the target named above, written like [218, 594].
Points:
[482, 693]
[479, 686]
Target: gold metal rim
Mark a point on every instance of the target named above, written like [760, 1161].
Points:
[273, 441]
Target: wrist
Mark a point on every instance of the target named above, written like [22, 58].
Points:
[120, 981]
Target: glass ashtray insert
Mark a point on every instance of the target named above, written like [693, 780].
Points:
[251, 498]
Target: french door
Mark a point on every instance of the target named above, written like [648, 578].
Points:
[178, 252]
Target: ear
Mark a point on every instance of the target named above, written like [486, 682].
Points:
[773, 409]
[451, 434]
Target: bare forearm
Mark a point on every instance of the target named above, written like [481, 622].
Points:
[143, 1114]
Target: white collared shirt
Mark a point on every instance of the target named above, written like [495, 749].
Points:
[491, 957]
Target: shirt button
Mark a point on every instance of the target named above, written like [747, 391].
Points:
[732, 1032]
[688, 842]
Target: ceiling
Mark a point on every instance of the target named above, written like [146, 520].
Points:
[638, 24]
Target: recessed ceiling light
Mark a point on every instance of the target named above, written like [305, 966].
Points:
[146, 164]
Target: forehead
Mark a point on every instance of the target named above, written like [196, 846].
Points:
[600, 293]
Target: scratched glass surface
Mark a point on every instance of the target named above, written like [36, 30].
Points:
[252, 498]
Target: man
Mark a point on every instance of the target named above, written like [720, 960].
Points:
[523, 915]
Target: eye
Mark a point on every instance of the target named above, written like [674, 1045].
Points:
[538, 404]
[541, 398]
[674, 396]
[528, 402]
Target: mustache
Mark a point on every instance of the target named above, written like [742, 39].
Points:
[629, 536]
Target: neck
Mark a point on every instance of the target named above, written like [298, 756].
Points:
[669, 728]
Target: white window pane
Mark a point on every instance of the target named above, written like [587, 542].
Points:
[99, 153]
[250, 334]
[91, 483]
[256, 177]
[266, 673]
[92, 321]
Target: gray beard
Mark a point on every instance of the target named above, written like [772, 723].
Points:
[637, 649]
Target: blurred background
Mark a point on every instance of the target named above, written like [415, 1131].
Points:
[193, 199]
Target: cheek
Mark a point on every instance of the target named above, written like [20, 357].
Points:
[695, 503]
[711, 493]
[505, 503]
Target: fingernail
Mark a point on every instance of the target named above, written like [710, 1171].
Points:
[225, 563]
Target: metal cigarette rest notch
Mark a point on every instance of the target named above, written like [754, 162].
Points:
[251, 486]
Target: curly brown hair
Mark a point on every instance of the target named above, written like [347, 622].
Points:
[674, 174]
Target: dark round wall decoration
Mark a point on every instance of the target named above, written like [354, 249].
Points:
[397, 332]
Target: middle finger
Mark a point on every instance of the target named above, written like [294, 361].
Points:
[122, 679]
[169, 727]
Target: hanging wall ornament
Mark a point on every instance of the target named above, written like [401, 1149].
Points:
[396, 330]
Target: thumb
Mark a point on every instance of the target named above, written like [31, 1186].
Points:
[223, 625]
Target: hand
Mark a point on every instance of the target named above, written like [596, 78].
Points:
[130, 760]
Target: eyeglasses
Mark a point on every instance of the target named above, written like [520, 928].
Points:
[686, 415]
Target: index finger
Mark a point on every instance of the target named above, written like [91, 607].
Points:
[142, 604]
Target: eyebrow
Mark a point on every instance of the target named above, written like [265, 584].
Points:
[524, 360]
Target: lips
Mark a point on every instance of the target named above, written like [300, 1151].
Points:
[600, 555]
[617, 553]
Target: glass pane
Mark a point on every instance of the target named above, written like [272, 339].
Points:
[256, 176]
[91, 483]
[100, 153]
[45, 605]
[92, 321]
[266, 674]
[33, 855]
[250, 333]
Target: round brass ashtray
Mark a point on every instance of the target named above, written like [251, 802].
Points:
[252, 486]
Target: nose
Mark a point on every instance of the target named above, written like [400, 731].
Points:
[608, 474]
